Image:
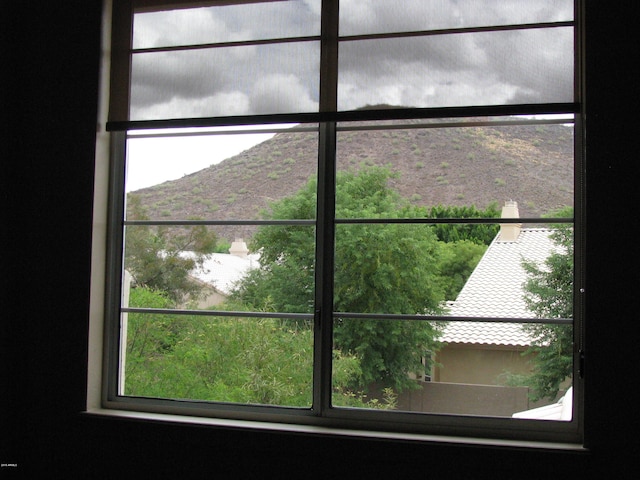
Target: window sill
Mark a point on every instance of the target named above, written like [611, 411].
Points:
[331, 431]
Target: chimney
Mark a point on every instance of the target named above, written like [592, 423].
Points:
[509, 232]
[239, 248]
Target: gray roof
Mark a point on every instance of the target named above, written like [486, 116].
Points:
[495, 289]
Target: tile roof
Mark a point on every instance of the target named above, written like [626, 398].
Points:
[485, 334]
[494, 289]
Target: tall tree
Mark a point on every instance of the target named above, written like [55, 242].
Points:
[549, 294]
[161, 259]
[390, 268]
[477, 233]
[458, 259]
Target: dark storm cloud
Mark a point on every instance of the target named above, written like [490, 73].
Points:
[229, 23]
[480, 68]
[204, 79]
[158, 75]
[445, 70]
[538, 63]
[385, 16]
[228, 80]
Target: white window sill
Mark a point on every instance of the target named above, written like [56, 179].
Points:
[330, 431]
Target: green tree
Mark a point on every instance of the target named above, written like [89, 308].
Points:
[390, 268]
[149, 336]
[462, 245]
[476, 233]
[549, 294]
[458, 259]
[155, 256]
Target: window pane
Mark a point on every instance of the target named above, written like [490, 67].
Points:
[218, 359]
[227, 175]
[227, 23]
[235, 265]
[258, 79]
[158, 156]
[496, 367]
[410, 171]
[190, 267]
[455, 378]
[489, 68]
[387, 16]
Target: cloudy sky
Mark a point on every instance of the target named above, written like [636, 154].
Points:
[482, 68]
[445, 70]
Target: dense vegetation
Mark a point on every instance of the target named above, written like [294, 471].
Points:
[549, 294]
[392, 268]
[379, 268]
[154, 255]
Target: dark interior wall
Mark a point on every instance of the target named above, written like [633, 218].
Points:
[49, 67]
[50, 59]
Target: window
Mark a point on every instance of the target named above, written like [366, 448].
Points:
[348, 214]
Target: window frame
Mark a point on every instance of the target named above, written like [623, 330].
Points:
[323, 414]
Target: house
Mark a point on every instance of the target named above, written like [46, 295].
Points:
[483, 352]
[468, 373]
[221, 271]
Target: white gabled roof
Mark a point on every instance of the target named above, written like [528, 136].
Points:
[223, 270]
[495, 289]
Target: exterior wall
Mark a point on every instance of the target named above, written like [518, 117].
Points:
[455, 398]
[478, 364]
[210, 298]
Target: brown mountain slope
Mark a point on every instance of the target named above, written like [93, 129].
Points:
[531, 164]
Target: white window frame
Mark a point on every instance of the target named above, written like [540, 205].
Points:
[104, 341]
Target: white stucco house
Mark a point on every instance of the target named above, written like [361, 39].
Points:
[482, 352]
[221, 271]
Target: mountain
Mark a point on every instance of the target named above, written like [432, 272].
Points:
[531, 164]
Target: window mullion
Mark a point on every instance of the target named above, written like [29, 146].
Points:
[325, 229]
[112, 363]
[329, 57]
[325, 236]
